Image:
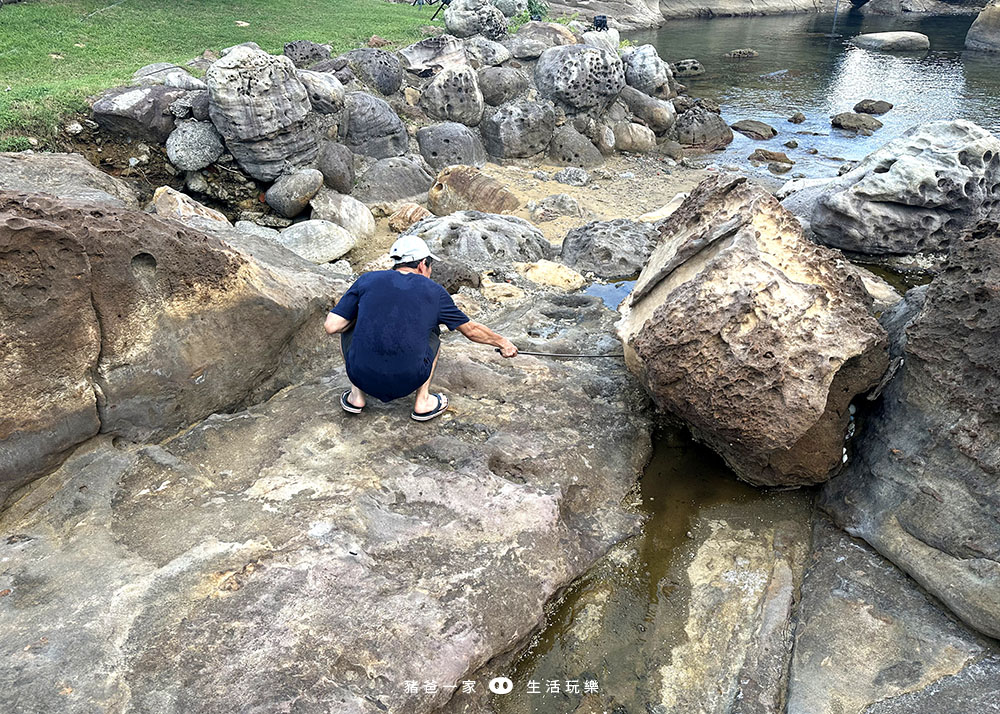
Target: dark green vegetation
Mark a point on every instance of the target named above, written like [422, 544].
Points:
[54, 53]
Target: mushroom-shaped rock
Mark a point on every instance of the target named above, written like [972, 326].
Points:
[916, 194]
[579, 77]
[753, 335]
[260, 106]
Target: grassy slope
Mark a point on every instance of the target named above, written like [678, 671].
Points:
[54, 53]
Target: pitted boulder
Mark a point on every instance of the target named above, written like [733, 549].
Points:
[377, 68]
[571, 148]
[687, 68]
[434, 54]
[702, 129]
[260, 107]
[500, 85]
[486, 52]
[917, 194]
[193, 145]
[138, 112]
[579, 77]
[614, 250]
[326, 94]
[451, 143]
[482, 240]
[755, 336]
[465, 18]
[304, 53]
[645, 71]
[453, 95]
[519, 130]
[373, 128]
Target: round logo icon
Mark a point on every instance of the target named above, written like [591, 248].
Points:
[501, 685]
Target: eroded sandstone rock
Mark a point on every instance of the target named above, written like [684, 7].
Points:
[260, 106]
[916, 194]
[519, 130]
[140, 112]
[453, 95]
[984, 35]
[450, 143]
[373, 128]
[63, 176]
[152, 330]
[483, 239]
[377, 68]
[419, 555]
[923, 490]
[579, 77]
[615, 250]
[757, 338]
[645, 71]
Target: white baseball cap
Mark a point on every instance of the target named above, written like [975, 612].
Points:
[409, 248]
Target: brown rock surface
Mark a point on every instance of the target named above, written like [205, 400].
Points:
[755, 337]
[141, 323]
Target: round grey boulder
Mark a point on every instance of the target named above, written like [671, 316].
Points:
[326, 93]
[373, 128]
[645, 71]
[482, 240]
[500, 85]
[450, 143]
[571, 148]
[291, 193]
[614, 250]
[317, 241]
[336, 163]
[519, 130]
[465, 18]
[394, 179]
[193, 145]
[378, 69]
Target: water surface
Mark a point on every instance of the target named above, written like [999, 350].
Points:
[805, 64]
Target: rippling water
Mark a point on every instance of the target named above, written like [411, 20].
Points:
[805, 65]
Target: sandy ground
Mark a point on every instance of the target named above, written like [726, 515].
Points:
[623, 187]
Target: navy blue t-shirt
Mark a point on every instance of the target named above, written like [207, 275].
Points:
[390, 350]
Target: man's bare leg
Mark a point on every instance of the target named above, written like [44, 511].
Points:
[425, 402]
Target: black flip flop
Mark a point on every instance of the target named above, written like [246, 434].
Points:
[347, 406]
[441, 408]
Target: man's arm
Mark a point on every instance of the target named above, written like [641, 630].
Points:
[335, 323]
[480, 333]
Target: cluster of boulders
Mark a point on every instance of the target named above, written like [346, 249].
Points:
[378, 125]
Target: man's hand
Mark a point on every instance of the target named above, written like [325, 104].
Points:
[507, 348]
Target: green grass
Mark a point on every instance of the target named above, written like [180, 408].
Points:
[55, 53]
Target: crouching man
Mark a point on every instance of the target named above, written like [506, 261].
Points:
[388, 321]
